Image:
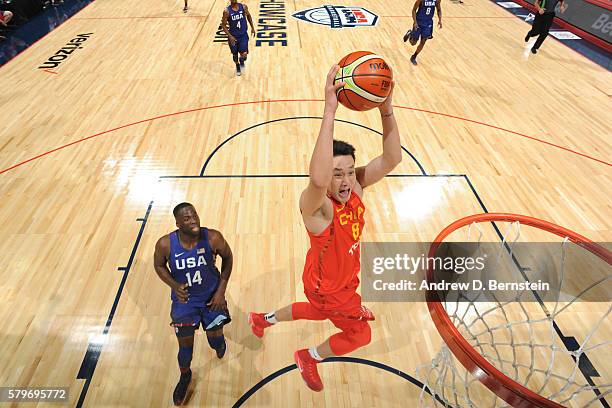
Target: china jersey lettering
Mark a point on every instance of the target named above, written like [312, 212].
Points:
[332, 262]
[426, 10]
[196, 268]
[237, 20]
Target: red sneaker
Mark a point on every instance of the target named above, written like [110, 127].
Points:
[258, 323]
[308, 368]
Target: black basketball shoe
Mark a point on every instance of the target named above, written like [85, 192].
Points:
[407, 35]
[221, 350]
[180, 391]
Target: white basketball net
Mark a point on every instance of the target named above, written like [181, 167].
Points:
[519, 338]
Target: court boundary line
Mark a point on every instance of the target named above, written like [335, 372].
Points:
[141, 17]
[456, 17]
[19, 164]
[94, 349]
[288, 175]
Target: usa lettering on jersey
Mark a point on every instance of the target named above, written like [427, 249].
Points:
[190, 262]
[237, 20]
[426, 9]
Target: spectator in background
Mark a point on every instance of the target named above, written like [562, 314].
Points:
[5, 17]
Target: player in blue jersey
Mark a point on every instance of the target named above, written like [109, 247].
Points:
[185, 261]
[234, 24]
[422, 15]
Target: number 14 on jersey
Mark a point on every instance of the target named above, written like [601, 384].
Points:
[197, 278]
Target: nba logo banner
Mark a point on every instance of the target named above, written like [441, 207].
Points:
[338, 16]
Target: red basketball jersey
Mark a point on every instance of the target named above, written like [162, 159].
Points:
[332, 262]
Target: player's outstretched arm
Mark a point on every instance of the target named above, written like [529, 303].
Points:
[221, 247]
[392, 149]
[160, 258]
[321, 162]
[439, 11]
[249, 19]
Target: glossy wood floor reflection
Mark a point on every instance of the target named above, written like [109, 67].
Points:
[151, 95]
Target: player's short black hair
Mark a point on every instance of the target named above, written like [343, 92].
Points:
[343, 149]
[180, 207]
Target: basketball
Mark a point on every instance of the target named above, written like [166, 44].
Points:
[367, 79]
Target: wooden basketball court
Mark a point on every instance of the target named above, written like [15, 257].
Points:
[95, 153]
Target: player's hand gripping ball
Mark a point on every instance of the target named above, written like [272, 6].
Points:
[367, 79]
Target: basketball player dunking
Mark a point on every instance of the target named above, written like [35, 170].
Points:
[198, 290]
[333, 214]
[236, 15]
[422, 15]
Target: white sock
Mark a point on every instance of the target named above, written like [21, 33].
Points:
[314, 354]
[271, 318]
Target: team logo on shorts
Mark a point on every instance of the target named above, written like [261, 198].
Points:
[338, 16]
